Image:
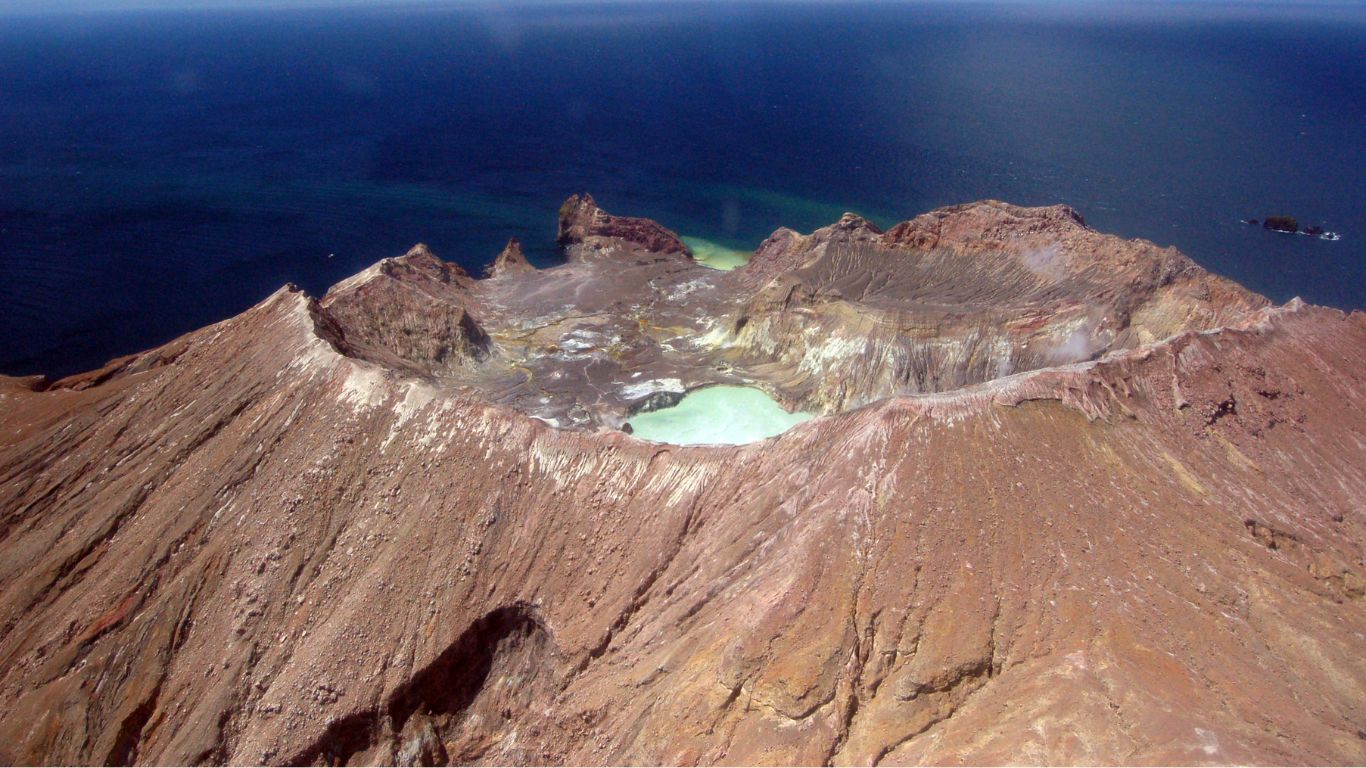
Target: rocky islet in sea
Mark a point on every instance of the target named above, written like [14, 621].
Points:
[1291, 226]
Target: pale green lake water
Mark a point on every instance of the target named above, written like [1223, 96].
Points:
[717, 416]
[715, 255]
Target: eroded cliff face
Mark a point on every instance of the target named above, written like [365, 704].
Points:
[960, 296]
[348, 530]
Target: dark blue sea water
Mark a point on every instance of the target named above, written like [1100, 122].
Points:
[162, 170]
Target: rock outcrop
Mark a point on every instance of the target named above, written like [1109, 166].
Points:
[586, 231]
[406, 313]
[348, 531]
[510, 261]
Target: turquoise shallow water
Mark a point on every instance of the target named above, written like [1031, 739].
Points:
[717, 416]
[715, 255]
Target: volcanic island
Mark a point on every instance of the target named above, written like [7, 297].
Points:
[987, 486]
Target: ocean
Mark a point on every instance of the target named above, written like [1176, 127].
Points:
[164, 169]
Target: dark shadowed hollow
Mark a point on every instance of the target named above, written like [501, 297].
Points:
[500, 665]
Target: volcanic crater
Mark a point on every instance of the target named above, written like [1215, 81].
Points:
[824, 323]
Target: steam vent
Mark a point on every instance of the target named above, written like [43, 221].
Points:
[988, 486]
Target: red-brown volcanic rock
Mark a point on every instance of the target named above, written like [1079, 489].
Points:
[586, 231]
[510, 260]
[342, 530]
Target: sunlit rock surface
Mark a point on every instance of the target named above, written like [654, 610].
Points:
[1070, 498]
